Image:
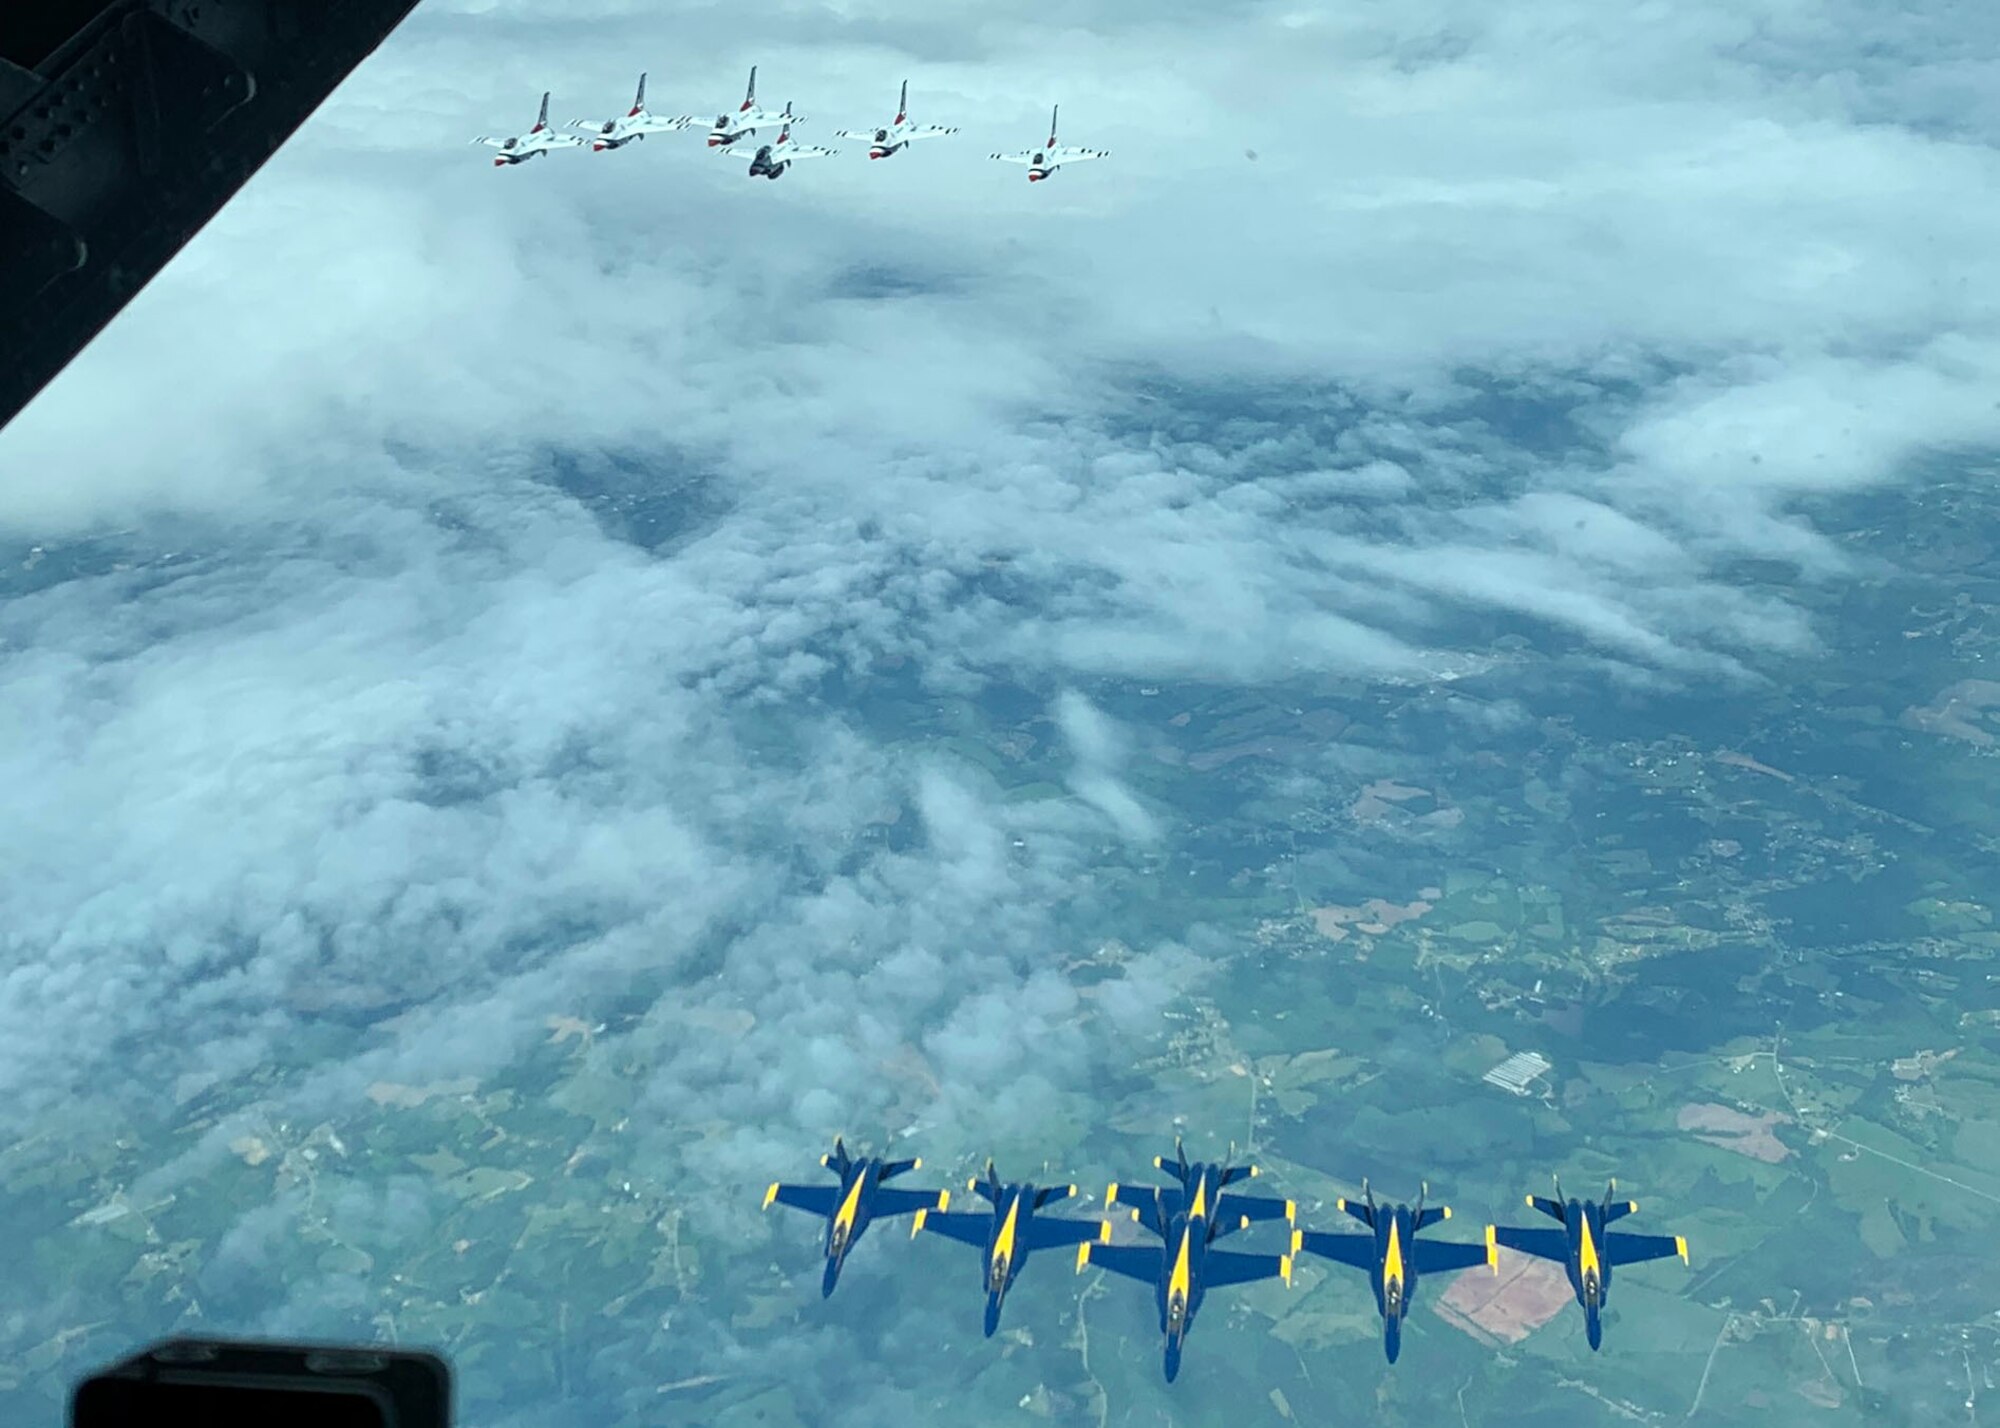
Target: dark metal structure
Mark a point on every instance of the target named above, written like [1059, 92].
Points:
[125, 125]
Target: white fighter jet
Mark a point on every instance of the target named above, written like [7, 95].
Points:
[538, 140]
[773, 159]
[635, 124]
[733, 128]
[1046, 160]
[898, 136]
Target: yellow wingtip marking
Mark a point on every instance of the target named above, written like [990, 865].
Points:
[944, 1199]
[1159, 1162]
[917, 1224]
[1082, 1256]
[826, 1161]
[1291, 1211]
[1447, 1212]
[1242, 1222]
[1631, 1207]
[771, 1194]
[1529, 1201]
[1135, 1217]
[1681, 1245]
[1255, 1172]
[971, 1183]
[1341, 1204]
[1104, 1232]
[1111, 1194]
[1285, 1268]
[1493, 1248]
[1298, 1240]
[917, 1164]
[1072, 1193]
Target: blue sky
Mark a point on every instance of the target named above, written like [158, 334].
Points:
[1246, 402]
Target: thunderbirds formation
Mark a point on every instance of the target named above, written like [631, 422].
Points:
[1186, 1219]
[770, 159]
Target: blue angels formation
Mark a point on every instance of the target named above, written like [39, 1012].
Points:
[1182, 1222]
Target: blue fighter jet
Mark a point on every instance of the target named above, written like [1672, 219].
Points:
[1585, 1247]
[1009, 1232]
[1189, 1218]
[859, 1199]
[1392, 1256]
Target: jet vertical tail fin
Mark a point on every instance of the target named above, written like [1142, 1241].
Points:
[785, 130]
[1054, 109]
[1365, 1211]
[1616, 1209]
[639, 100]
[1431, 1216]
[542, 119]
[903, 103]
[750, 94]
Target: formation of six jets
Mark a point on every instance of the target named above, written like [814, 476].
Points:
[770, 159]
[1202, 1207]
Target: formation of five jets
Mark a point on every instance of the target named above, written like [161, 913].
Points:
[771, 159]
[1203, 1206]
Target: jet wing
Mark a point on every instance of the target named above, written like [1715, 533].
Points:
[490, 142]
[865, 135]
[1542, 1244]
[802, 151]
[1355, 1250]
[1026, 156]
[1237, 1208]
[1066, 155]
[969, 1229]
[1439, 1256]
[928, 131]
[1140, 1262]
[1048, 1234]
[813, 1199]
[1222, 1267]
[1154, 1206]
[1637, 1249]
[903, 1202]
